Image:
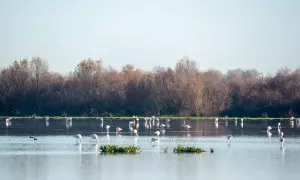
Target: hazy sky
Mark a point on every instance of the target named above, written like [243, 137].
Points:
[220, 34]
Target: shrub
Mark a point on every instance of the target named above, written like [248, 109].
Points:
[114, 149]
[188, 149]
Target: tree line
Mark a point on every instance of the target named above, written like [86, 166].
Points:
[27, 87]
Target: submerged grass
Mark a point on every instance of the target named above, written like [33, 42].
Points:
[188, 149]
[114, 149]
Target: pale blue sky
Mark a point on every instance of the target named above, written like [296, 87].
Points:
[220, 34]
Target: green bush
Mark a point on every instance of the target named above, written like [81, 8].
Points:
[188, 149]
[114, 149]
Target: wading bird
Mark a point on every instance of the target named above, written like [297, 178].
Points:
[8, 122]
[68, 122]
[107, 128]
[229, 139]
[186, 126]
[101, 122]
[269, 131]
[118, 130]
[282, 140]
[217, 123]
[279, 127]
[47, 121]
[135, 132]
[78, 138]
[94, 136]
[157, 133]
[242, 123]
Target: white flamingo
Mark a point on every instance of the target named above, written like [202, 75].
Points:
[47, 121]
[168, 123]
[69, 122]
[279, 127]
[217, 123]
[292, 124]
[154, 139]
[118, 130]
[107, 128]
[130, 124]
[78, 138]
[101, 123]
[157, 133]
[282, 140]
[216, 120]
[242, 123]
[94, 136]
[269, 131]
[229, 139]
[162, 126]
[8, 122]
[186, 126]
[135, 132]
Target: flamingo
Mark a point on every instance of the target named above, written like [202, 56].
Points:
[47, 121]
[135, 132]
[69, 122]
[154, 139]
[107, 128]
[229, 139]
[118, 130]
[216, 120]
[217, 123]
[101, 123]
[242, 123]
[168, 123]
[157, 133]
[162, 126]
[8, 122]
[94, 136]
[78, 137]
[226, 123]
[130, 123]
[269, 131]
[187, 127]
[279, 127]
[282, 140]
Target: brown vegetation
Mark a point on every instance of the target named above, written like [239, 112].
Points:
[27, 87]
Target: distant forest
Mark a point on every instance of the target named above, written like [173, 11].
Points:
[27, 87]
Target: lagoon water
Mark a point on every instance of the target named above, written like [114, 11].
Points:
[55, 155]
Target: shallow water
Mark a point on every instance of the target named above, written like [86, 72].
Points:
[56, 155]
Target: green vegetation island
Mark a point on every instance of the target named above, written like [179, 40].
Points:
[29, 89]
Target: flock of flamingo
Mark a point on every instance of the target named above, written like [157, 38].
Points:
[150, 122]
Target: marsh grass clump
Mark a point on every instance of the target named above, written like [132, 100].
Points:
[114, 149]
[188, 149]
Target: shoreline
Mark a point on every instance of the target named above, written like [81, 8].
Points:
[142, 118]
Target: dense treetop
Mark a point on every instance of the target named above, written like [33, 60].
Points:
[28, 87]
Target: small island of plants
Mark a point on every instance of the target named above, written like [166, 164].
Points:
[188, 149]
[114, 149]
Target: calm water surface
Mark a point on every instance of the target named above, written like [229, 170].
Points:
[56, 156]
